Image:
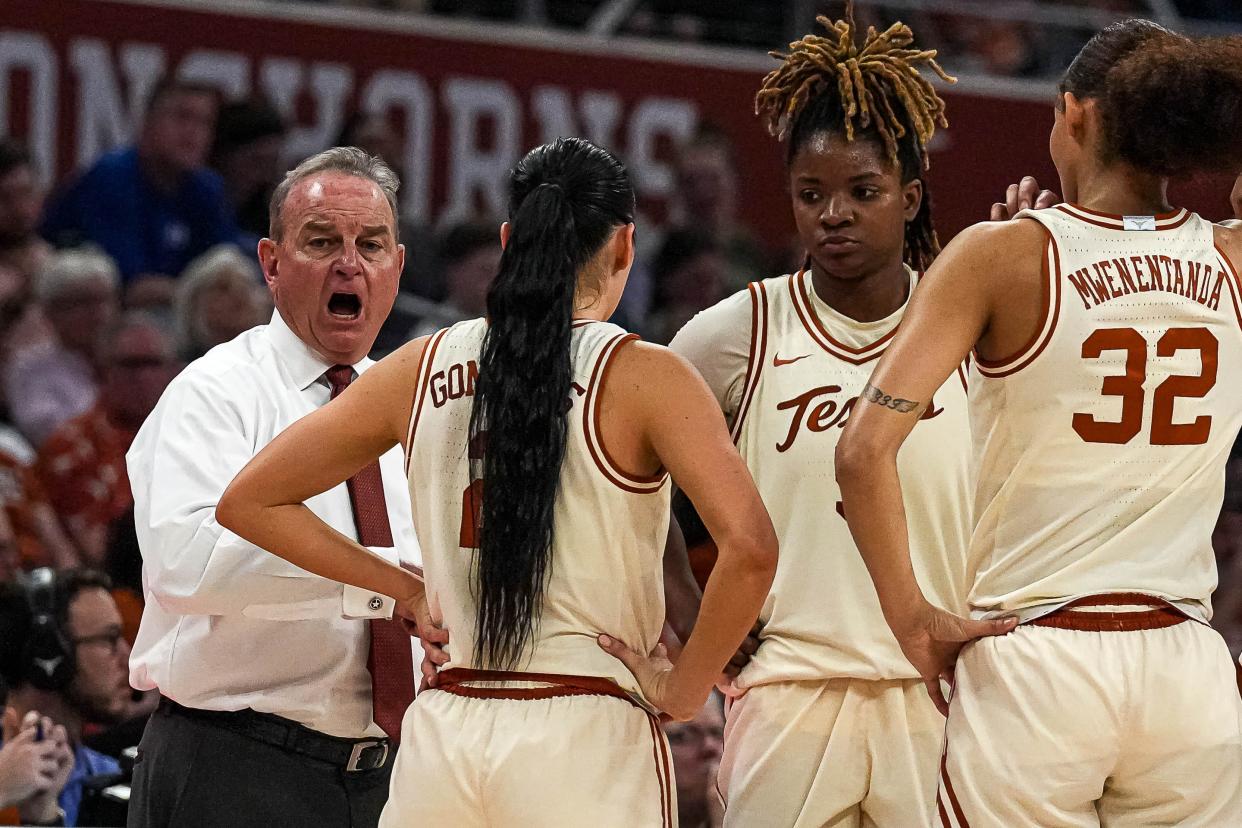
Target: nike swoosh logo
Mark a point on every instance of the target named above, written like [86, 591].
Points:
[777, 362]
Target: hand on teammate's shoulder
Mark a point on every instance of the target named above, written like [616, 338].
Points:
[1025, 195]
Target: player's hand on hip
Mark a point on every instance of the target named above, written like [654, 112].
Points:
[1026, 195]
[933, 639]
[653, 673]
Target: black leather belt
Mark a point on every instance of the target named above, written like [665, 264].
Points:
[351, 754]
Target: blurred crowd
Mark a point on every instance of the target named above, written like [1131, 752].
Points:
[117, 277]
[970, 36]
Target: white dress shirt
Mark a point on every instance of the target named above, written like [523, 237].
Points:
[228, 625]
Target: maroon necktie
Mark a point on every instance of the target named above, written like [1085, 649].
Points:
[390, 661]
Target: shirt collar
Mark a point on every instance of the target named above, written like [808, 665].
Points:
[300, 360]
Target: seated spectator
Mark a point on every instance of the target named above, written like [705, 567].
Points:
[82, 464]
[52, 381]
[470, 254]
[62, 654]
[696, 746]
[688, 275]
[219, 295]
[23, 253]
[22, 324]
[30, 534]
[35, 763]
[21, 205]
[154, 296]
[707, 203]
[250, 137]
[153, 206]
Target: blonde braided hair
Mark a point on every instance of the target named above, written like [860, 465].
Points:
[879, 87]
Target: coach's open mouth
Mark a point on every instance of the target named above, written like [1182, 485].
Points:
[344, 305]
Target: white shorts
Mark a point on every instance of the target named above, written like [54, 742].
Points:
[844, 752]
[526, 754]
[1055, 727]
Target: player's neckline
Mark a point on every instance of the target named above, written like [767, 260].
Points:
[1172, 214]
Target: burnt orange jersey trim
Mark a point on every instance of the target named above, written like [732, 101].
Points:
[758, 354]
[423, 376]
[620, 478]
[1050, 270]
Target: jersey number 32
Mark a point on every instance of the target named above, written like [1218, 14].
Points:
[1129, 387]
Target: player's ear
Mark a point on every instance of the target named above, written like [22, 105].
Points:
[623, 248]
[912, 198]
[1077, 111]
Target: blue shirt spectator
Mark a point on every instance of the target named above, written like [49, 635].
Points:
[154, 206]
[87, 763]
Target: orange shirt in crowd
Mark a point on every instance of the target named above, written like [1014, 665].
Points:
[21, 496]
[82, 466]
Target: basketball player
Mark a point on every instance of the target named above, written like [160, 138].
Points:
[539, 445]
[833, 727]
[1104, 402]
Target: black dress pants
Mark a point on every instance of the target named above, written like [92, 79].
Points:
[195, 774]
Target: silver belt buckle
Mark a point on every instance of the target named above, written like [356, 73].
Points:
[355, 755]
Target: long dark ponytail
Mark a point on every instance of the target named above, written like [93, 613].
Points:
[565, 200]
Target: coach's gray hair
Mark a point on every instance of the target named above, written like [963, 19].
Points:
[347, 160]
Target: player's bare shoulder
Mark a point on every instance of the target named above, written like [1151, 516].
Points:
[646, 368]
[1000, 250]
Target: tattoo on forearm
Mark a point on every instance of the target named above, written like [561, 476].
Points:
[872, 394]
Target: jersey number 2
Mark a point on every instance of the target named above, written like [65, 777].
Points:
[1129, 386]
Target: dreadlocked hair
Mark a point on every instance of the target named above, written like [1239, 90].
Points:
[830, 84]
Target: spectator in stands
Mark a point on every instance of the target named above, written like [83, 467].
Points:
[153, 206]
[62, 654]
[689, 274]
[52, 381]
[30, 534]
[154, 296]
[696, 746]
[707, 202]
[250, 137]
[23, 253]
[35, 763]
[22, 324]
[219, 295]
[82, 464]
[470, 254]
[21, 204]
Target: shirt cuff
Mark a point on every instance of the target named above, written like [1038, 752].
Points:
[363, 603]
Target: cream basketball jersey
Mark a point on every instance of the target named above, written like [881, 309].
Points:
[609, 528]
[1100, 448]
[822, 618]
